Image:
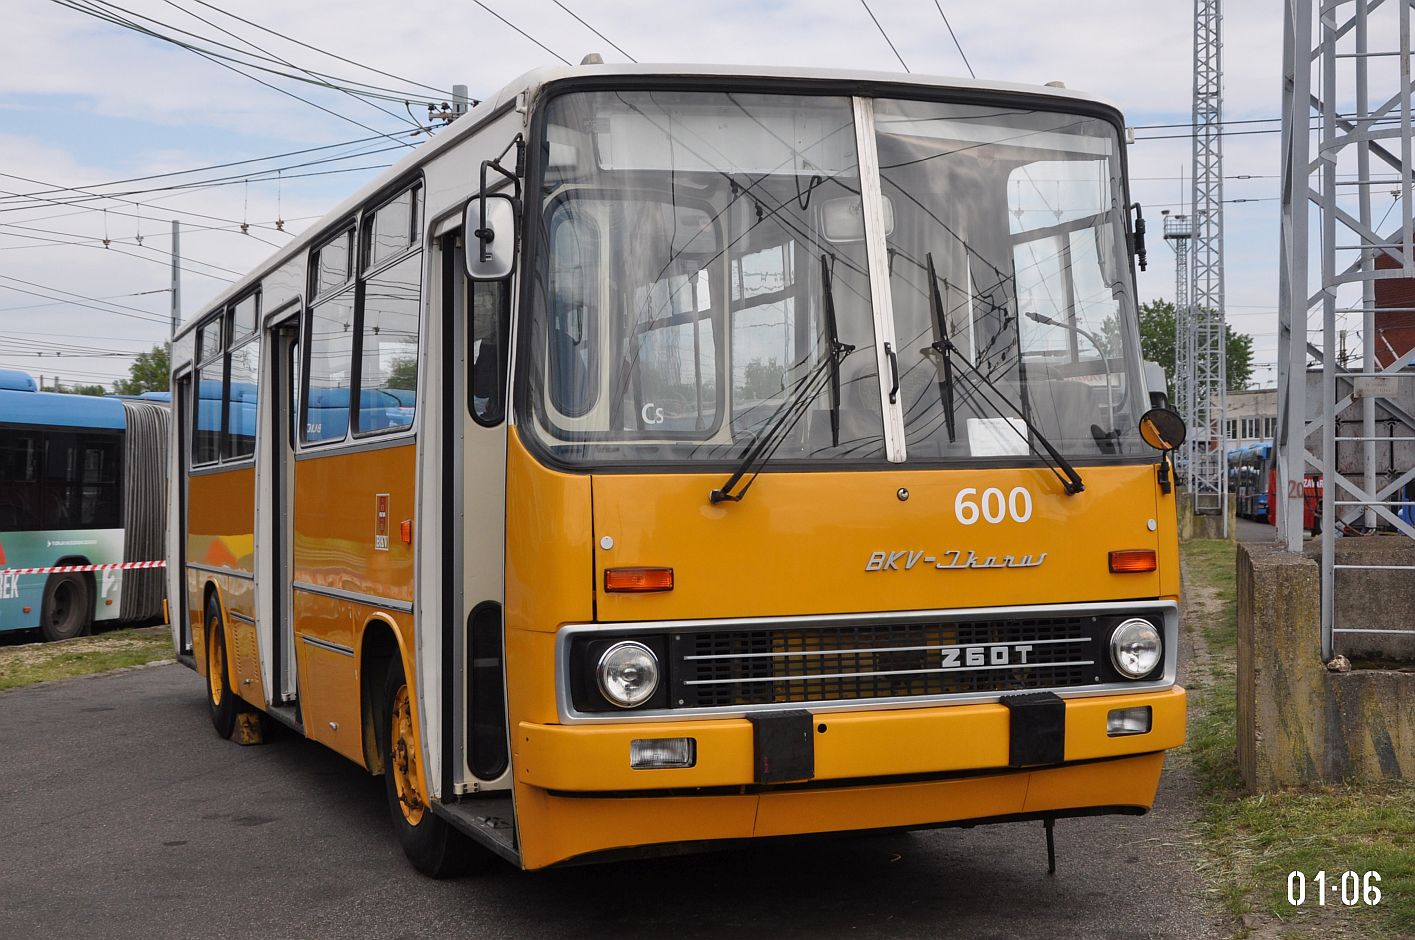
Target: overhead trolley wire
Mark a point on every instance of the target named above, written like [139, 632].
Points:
[586, 26]
[377, 107]
[84, 6]
[522, 32]
[218, 166]
[90, 8]
[880, 27]
[119, 251]
[81, 300]
[332, 55]
[956, 44]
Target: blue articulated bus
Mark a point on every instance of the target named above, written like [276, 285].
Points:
[82, 508]
[1251, 479]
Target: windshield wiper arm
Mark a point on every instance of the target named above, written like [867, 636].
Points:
[837, 350]
[1065, 472]
[824, 374]
[944, 348]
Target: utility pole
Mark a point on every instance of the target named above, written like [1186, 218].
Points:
[176, 275]
[1178, 230]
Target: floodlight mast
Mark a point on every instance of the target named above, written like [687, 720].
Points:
[1208, 466]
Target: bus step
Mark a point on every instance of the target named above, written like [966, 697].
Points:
[490, 820]
[287, 715]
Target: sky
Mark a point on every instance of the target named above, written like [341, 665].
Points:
[85, 102]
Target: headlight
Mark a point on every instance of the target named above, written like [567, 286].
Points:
[627, 674]
[1136, 648]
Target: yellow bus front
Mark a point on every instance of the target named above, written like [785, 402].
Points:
[826, 504]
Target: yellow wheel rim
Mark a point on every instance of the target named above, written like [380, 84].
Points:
[404, 759]
[214, 672]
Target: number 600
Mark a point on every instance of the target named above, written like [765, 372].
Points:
[993, 506]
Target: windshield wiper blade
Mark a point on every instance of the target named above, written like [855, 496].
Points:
[824, 374]
[944, 348]
[1070, 480]
[837, 351]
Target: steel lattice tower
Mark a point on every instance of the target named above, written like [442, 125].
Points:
[1178, 230]
[1348, 139]
[1208, 466]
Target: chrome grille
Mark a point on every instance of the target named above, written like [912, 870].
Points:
[783, 665]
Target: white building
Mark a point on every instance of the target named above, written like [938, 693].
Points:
[1252, 417]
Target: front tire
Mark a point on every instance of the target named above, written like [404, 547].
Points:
[221, 699]
[67, 609]
[431, 844]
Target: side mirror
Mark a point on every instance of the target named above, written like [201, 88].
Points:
[489, 230]
[843, 219]
[1162, 429]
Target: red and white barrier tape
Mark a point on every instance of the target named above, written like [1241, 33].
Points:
[66, 569]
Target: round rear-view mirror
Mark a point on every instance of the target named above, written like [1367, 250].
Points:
[1162, 429]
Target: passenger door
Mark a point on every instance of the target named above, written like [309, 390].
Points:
[284, 345]
[476, 330]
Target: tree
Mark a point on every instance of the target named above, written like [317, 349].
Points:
[88, 390]
[1157, 344]
[148, 373]
[761, 378]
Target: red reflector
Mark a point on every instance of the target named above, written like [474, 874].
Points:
[1132, 560]
[405, 529]
[638, 580]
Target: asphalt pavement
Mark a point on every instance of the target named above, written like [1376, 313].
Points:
[123, 815]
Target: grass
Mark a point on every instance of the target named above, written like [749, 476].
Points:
[22, 665]
[1252, 843]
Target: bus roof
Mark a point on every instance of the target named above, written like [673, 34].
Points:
[492, 107]
[57, 409]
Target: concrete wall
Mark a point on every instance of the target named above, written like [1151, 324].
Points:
[1298, 723]
[1204, 525]
[1379, 599]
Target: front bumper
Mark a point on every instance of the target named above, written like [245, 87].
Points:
[905, 768]
[853, 745]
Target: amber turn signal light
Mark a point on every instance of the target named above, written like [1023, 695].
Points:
[638, 580]
[1132, 560]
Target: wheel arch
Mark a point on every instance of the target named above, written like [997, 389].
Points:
[379, 641]
[212, 591]
[89, 579]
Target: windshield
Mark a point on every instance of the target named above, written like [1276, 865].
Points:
[688, 245]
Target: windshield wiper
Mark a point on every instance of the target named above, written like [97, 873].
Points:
[832, 334]
[1065, 472]
[824, 374]
[944, 348]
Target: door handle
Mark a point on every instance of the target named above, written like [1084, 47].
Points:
[893, 373]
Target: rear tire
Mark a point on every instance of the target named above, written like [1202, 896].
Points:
[221, 699]
[67, 609]
[431, 844]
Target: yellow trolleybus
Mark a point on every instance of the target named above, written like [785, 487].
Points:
[668, 456]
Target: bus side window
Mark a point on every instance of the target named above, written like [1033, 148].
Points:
[241, 400]
[19, 481]
[206, 415]
[388, 375]
[331, 367]
[208, 389]
[487, 349]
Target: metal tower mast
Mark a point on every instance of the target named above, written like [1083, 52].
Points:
[1208, 466]
[1359, 53]
[1178, 230]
